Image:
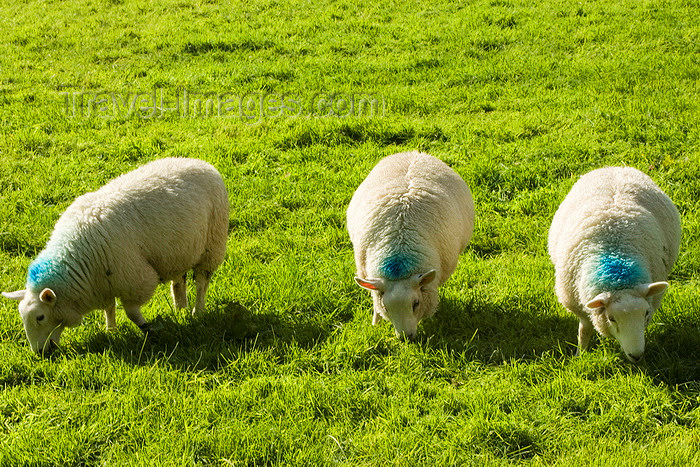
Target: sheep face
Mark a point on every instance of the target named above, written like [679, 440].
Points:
[624, 315]
[403, 302]
[43, 324]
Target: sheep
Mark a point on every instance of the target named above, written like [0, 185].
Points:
[613, 242]
[408, 222]
[147, 226]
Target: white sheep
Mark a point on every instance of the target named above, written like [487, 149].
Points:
[613, 242]
[408, 222]
[147, 226]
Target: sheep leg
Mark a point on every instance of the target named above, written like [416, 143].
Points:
[111, 317]
[585, 332]
[133, 312]
[132, 303]
[178, 288]
[201, 279]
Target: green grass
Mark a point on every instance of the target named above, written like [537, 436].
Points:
[285, 368]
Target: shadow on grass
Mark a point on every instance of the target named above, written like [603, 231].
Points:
[201, 339]
[489, 332]
[521, 328]
[494, 332]
[672, 353]
[525, 328]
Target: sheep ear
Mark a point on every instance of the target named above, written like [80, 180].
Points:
[16, 295]
[370, 284]
[47, 296]
[601, 301]
[427, 278]
[655, 288]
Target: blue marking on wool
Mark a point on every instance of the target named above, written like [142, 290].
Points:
[41, 272]
[397, 267]
[618, 272]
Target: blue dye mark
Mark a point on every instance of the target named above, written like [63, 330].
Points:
[618, 272]
[41, 271]
[397, 267]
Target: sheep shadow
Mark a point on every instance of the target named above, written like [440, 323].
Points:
[672, 354]
[490, 332]
[528, 328]
[199, 341]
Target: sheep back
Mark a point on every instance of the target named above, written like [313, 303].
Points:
[164, 218]
[615, 229]
[412, 213]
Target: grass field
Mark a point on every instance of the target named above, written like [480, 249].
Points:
[294, 102]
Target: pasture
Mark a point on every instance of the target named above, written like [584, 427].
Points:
[294, 102]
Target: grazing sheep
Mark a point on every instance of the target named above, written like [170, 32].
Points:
[613, 242]
[408, 222]
[148, 226]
